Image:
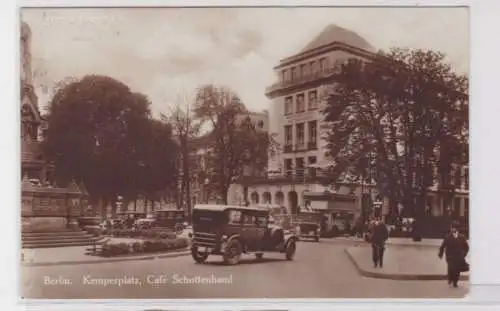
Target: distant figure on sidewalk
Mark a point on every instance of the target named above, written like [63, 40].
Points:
[456, 247]
[358, 228]
[379, 235]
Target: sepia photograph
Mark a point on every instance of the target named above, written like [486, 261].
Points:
[250, 153]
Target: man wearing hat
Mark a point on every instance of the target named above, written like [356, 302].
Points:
[455, 247]
[378, 236]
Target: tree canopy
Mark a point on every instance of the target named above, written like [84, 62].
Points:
[404, 116]
[102, 134]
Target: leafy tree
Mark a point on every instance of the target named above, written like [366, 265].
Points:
[237, 143]
[185, 128]
[157, 172]
[102, 134]
[402, 114]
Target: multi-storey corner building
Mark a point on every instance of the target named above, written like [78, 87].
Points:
[296, 118]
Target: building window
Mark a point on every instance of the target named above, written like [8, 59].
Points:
[288, 105]
[294, 73]
[306, 70]
[260, 124]
[322, 64]
[283, 75]
[300, 135]
[313, 132]
[312, 171]
[314, 67]
[288, 167]
[466, 178]
[302, 71]
[301, 105]
[288, 135]
[299, 167]
[313, 100]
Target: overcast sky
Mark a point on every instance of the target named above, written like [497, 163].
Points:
[166, 52]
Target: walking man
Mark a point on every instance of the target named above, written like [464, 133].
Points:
[455, 247]
[379, 235]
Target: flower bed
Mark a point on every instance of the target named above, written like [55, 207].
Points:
[110, 249]
[141, 234]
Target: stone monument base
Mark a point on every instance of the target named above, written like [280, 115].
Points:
[44, 224]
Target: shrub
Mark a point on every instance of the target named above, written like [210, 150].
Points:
[166, 235]
[144, 234]
[116, 249]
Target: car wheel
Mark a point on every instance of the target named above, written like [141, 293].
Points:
[198, 256]
[232, 254]
[259, 256]
[290, 249]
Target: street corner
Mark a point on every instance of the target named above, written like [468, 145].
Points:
[412, 269]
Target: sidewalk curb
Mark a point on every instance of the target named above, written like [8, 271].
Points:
[398, 277]
[389, 243]
[109, 260]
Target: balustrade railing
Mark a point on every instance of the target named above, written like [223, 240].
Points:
[303, 79]
[297, 175]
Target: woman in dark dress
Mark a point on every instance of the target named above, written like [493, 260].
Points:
[455, 247]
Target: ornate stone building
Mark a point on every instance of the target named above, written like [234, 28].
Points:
[32, 164]
[44, 207]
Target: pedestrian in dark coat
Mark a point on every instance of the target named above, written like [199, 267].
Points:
[455, 247]
[379, 235]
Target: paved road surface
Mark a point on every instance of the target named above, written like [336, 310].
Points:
[320, 270]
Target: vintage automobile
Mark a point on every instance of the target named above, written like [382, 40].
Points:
[145, 223]
[169, 218]
[308, 225]
[230, 231]
[279, 215]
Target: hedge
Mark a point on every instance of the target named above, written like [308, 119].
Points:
[143, 234]
[147, 246]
